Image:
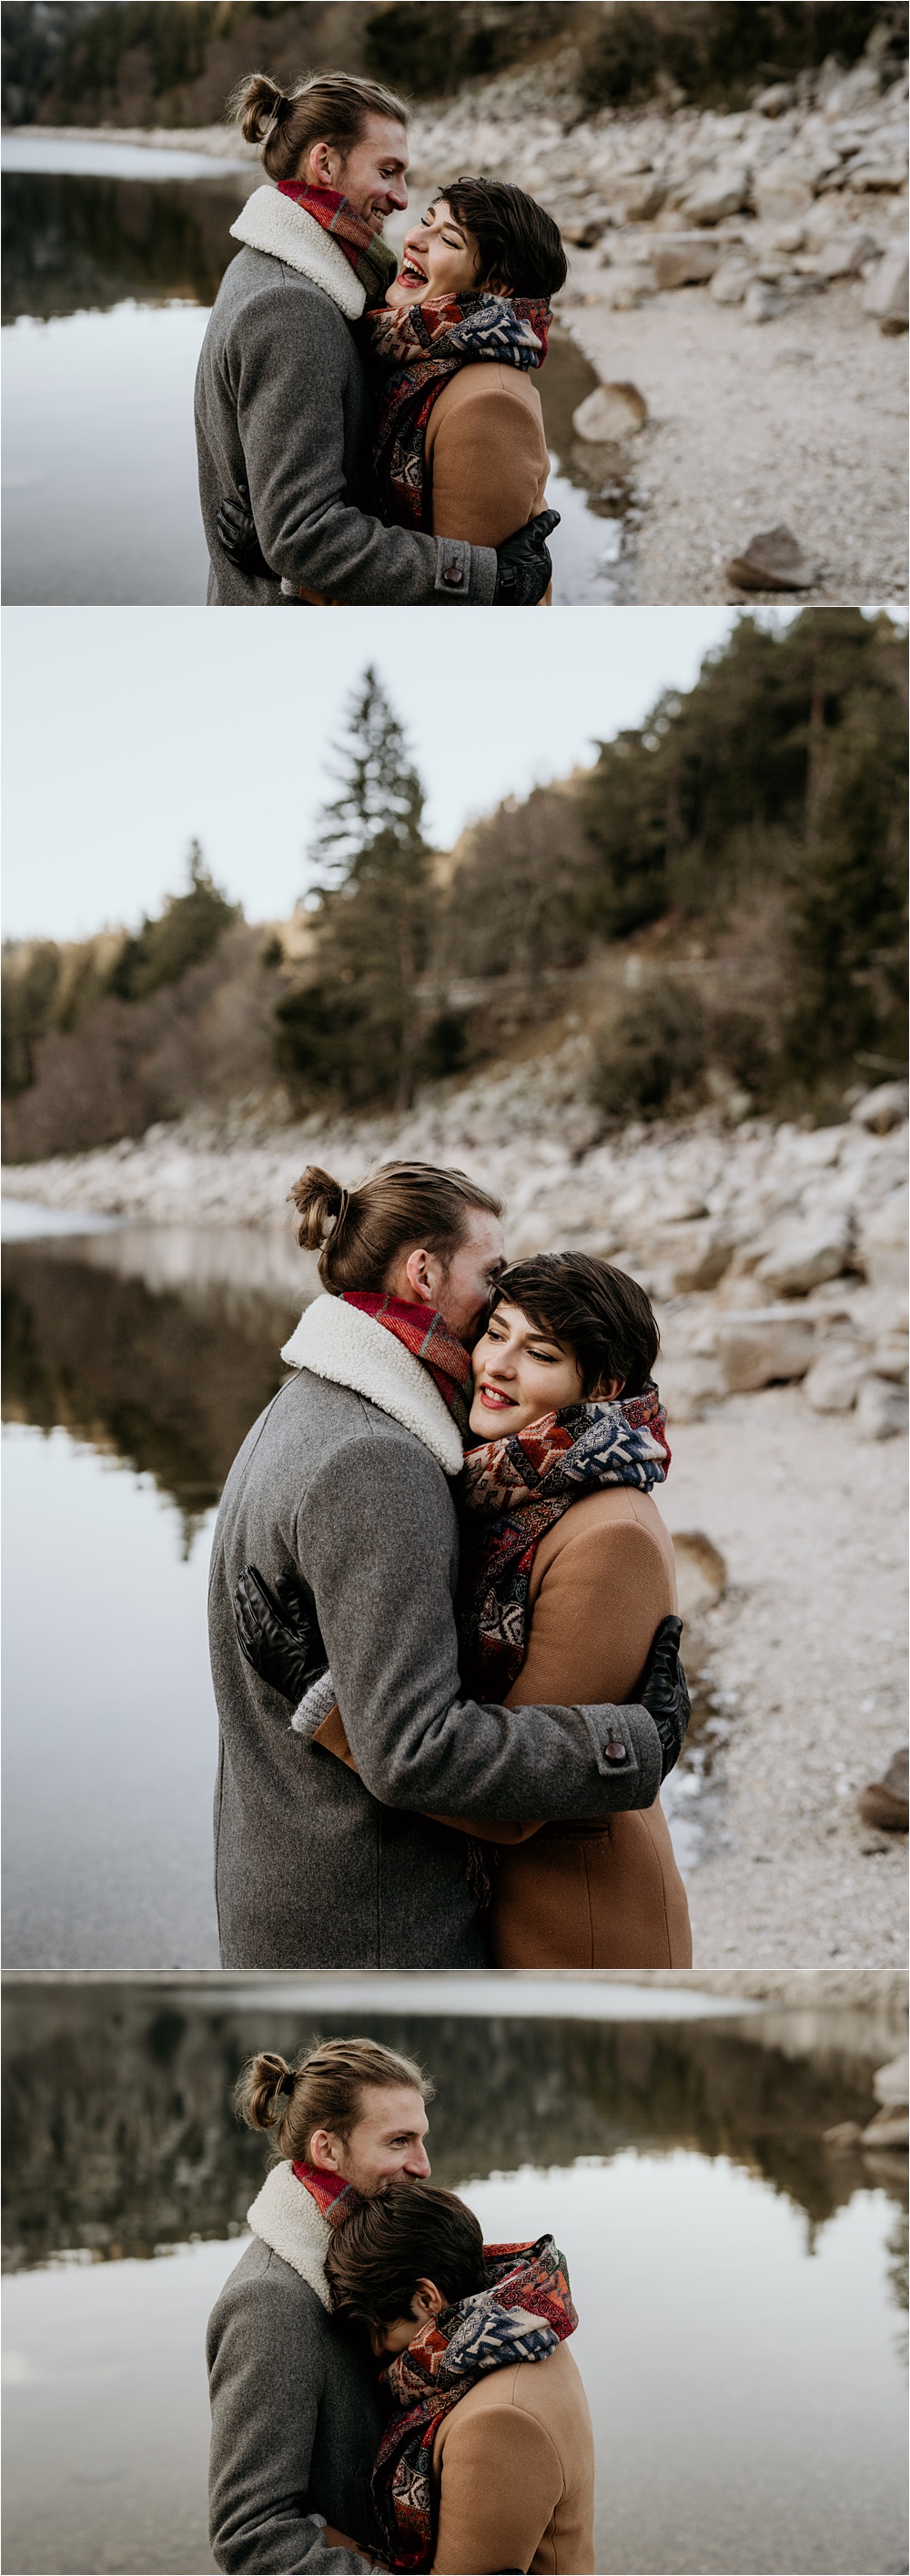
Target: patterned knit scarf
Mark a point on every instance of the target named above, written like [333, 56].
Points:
[335, 2200]
[411, 355]
[422, 1331]
[515, 1488]
[525, 2311]
[368, 255]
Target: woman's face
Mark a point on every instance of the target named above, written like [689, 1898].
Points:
[521, 1373]
[439, 258]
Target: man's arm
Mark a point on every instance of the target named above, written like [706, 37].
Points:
[376, 1541]
[264, 2386]
[285, 363]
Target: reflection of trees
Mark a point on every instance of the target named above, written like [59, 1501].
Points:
[120, 2134]
[75, 244]
[169, 1383]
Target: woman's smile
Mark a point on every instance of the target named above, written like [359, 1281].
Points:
[494, 1399]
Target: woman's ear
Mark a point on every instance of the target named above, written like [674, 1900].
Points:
[427, 2299]
[606, 1390]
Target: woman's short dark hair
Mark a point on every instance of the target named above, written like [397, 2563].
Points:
[411, 2232]
[603, 1315]
[520, 246]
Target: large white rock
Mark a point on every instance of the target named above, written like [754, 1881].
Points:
[834, 1381]
[845, 253]
[729, 282]
[678, 1259]
[684, 259]
[701, 1573]
[804, 1256]
[881, 1409]
[610, 412]
[883, 1108]
[782, 188]
[886, 296]
[883, 1242]
[722, 193]
[763, 1345]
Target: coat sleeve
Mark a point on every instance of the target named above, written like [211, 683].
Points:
[264, 2385]
[502, 2480]
[377, 1541]
[286, 367]
[488, 463]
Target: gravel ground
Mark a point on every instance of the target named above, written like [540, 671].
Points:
[806, 1653]
[800, 419]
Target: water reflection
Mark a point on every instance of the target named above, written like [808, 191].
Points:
[121, 2139]
[74, 245]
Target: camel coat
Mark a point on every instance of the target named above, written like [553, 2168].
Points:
[605, 1893]
[487, 456]
[513, 2474]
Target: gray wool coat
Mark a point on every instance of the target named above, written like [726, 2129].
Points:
[317, 1867]
[283, 410]
[296, 2425]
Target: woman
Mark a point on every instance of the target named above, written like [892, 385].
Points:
[460, 447]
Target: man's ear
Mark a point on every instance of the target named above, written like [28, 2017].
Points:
[418, 1278]
[324, 2152]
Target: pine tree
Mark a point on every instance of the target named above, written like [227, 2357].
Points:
[355, 1027]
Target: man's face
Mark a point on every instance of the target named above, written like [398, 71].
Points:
[385, 2144]
[464, 1283]
[372, 176]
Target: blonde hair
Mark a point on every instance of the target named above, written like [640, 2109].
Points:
[323, 2091]
[328, 107]
[358, 1233]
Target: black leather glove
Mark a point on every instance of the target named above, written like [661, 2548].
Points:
[279, 1633]
[523, 567]
[237, 538]
[663, 1691]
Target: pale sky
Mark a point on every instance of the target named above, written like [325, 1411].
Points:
[130, 731]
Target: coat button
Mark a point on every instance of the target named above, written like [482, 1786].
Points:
[615, 1751]
[452, 573]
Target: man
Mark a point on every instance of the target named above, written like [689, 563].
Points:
[296, 2420]
[341, 1491]
[282, 405]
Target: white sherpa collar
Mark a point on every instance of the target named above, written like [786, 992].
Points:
[284, 2215]
[276, 225]
[351, 1349]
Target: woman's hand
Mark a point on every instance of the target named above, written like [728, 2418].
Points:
[278, 1633]
[663, 1691]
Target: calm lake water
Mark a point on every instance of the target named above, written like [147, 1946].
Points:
[135, 1360]
[113, 256]
[739, 2284]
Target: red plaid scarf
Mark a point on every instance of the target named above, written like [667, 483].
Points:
[335, 2199]
[367, 254]
[422, 1331]
[524, 2312]
[515, 1488]
[413, 352]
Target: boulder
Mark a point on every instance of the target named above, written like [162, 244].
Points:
[583, 231]
[888, 2129]
[763, 302]
[845, 253]
[877, 172]
[610, 412]
[688, 1384]
[804, 1256]
[891, 1358]
[883, 1108]
[773, 560]
[781, 189]
[883, 1242]
[886, 296]
[684, 259]
[640, 198]
[729, 282]
[722, 193]
[679, 1259]
[834, 1381]
[763, 1346]
[891, 2083]
[701, 1573]
[776, 100]
[881, 1409]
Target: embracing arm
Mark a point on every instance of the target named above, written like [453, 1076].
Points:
[377, 1539]
[265, 2388]
[286, 365]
